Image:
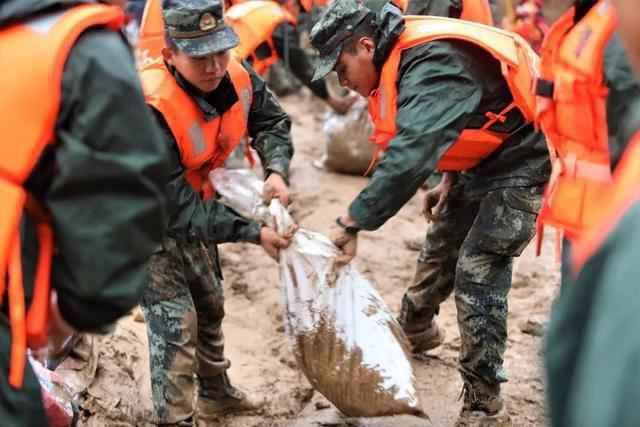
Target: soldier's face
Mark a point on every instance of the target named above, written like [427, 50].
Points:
[355, 68]
[629, 25]
[204, 72]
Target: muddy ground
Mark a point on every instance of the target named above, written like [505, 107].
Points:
[116, 389]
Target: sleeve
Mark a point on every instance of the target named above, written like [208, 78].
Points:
[269, 127]
[106, 195]
[437, 96]
[287, 43]
[623, 90]
[191, 217]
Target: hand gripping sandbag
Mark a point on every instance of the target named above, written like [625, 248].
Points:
[345, 340]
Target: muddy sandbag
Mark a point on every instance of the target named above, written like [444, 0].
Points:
[345, 340]
[348, 149]
[56, 396]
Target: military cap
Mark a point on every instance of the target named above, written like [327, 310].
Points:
[197, 27]
[335, 26]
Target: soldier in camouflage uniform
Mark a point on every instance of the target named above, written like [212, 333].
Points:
[482, 218]
[183, 303]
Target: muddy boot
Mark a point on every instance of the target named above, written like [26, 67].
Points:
[216, 396]
[483, 406]
[426, 339]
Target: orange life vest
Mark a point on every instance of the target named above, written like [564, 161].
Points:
[472, 10]
[622, 195]
[204, 145]
[572, 113]
[519, 68]
[254, 22]
[33, 58]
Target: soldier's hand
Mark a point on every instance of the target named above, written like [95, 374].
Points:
[341, 105]
[275, 186]
[346, 242]
[435, 198]
[272, 242]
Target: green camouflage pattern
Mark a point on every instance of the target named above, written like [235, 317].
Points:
[470, 250]
[183, 307]
[197, 27]
[327, 35]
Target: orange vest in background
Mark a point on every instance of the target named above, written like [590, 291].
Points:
[150, 36]
[472, 10]
[572, 97]
[254, 22]
[204, 145]
[519, 68]
[622, 195]
[33, 58]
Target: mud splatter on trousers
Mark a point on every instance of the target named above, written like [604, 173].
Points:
[183, 306]
[470, 250]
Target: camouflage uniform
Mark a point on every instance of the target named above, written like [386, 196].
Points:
[183, 307]
[183, 303]
[470, 249]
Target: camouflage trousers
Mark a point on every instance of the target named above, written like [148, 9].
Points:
[470, 250]
[183, 307]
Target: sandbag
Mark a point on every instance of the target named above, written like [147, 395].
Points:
[56, 396]
[348, 149]
[344, 338]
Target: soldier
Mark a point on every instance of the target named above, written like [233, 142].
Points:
[592, 345]
[206, 102]
[439, 102]
[82, 163]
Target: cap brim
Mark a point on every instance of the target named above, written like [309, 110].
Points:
[218, 41]
[325, 64]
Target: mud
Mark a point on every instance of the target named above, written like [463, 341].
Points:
[263, 364]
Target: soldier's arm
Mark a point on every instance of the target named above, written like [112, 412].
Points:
[191, 217]
[436, 98]
[270, 128]
[286, 40]
[106, 193]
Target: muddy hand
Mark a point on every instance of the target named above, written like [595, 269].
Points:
[272, 242]
[275, 186]
[435, 198]
[347, 243]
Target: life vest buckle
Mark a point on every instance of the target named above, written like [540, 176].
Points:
[544, 88]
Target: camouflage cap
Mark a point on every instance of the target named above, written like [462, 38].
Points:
[197, 27]
[335, 26]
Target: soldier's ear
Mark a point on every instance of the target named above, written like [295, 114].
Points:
[367, 44]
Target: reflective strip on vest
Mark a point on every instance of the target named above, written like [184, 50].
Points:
[203, 145]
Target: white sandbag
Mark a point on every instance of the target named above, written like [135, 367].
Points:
[345, 340]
